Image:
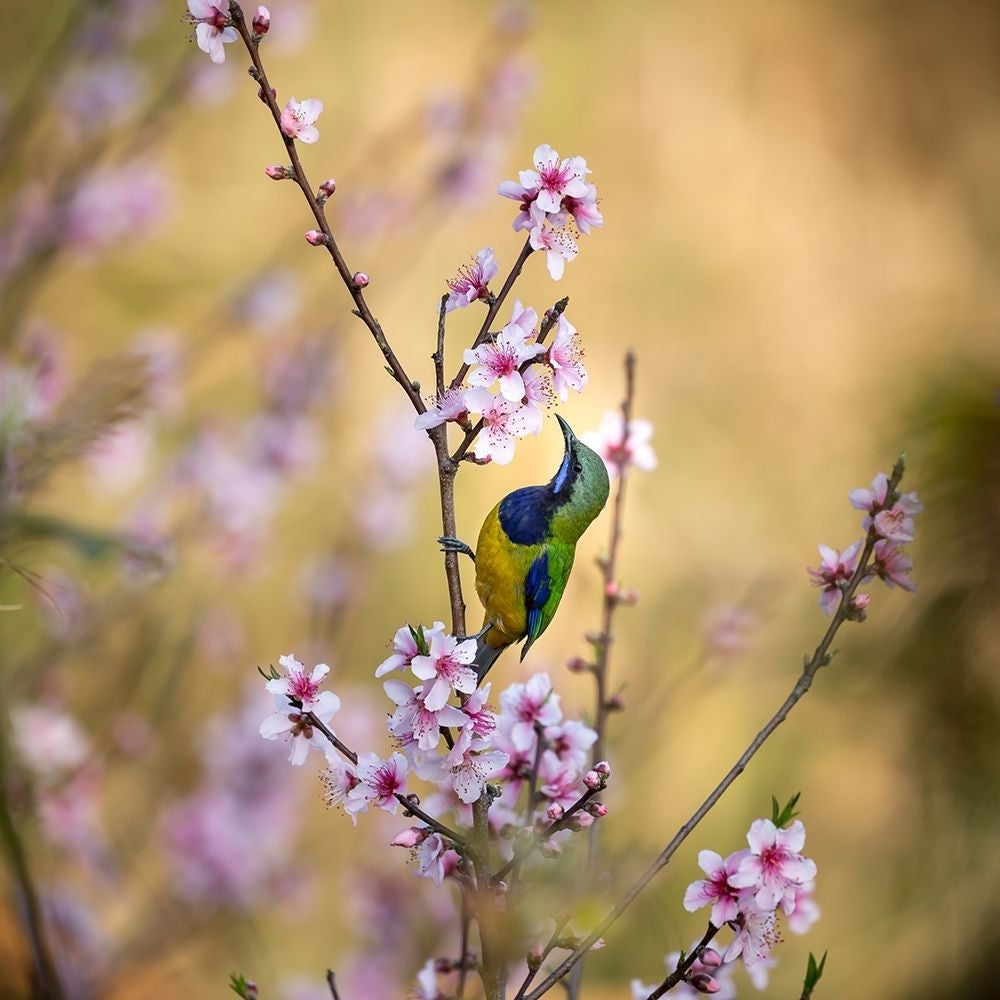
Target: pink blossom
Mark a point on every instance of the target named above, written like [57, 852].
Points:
[835, 570]
[570, 740]
[214, 28]
[405, 647]
[471, 282]
[471, 774]
[620, 450]
[895, 525]
[339, 778]
[501, 358]
[892, 565]
[261, 21]
[871, 500]
[447, 667]
[558, 780]
[503, 422]
[297, 696]
[555, 179]
[523, 707]
[298, 119]
[379, 783]
[530, 214]
[806, 912]
[564, 357]
[524, 318]
[538, 391]
[774, 869]
[558, 245]
[448, 407]
[717, 889]
[412, 722]
[756, 935]
[584, 210]
[435, 859]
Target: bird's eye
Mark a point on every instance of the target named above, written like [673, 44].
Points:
[577, 468]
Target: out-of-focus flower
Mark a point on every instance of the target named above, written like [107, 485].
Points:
[298, 119]
[727, 629]
[618, 449]
[48, 740]
[116, 205]
[471, 282]
[214, 29]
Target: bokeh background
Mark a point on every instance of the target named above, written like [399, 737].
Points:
[205, 466]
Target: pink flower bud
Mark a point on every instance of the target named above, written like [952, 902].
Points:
[410, 837]
[251, 990]
[316, 238]
[616, 703]
[555, 811]
[592, 780]
[603, 768]
[360, 279]
[704, 983]
[278, 173]
[581, 820]
[328, 187]
[261, 21]
[710, 958]
[577, 665]
[596, 809]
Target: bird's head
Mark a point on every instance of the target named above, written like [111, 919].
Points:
[580, 487]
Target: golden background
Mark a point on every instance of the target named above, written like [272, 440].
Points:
[801, 244]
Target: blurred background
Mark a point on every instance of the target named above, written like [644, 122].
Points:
[203, 465]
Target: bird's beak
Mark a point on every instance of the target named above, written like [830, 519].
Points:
[568, 434]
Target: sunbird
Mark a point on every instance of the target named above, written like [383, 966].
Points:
[526, 547]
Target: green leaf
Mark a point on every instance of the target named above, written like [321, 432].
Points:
[243, 987]
[782, 817]
[814, 972]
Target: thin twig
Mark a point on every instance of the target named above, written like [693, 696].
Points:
[361, 310]
[684, 964]
[331, 981]
[821, 657]
[406, 802]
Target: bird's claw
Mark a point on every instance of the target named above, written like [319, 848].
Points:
[449, 544]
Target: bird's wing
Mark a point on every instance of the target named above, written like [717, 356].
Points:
[537, 590]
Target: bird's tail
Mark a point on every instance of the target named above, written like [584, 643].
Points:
[486, 656]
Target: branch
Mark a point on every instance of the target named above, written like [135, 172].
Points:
[821, 657]
[361, 310]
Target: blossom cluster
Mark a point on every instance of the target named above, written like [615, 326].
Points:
[747, 891]
[512, 376]
[889, 525]
[456, 748]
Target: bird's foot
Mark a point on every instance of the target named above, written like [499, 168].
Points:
[449, 544]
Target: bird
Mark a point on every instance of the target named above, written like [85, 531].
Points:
[526, 547]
